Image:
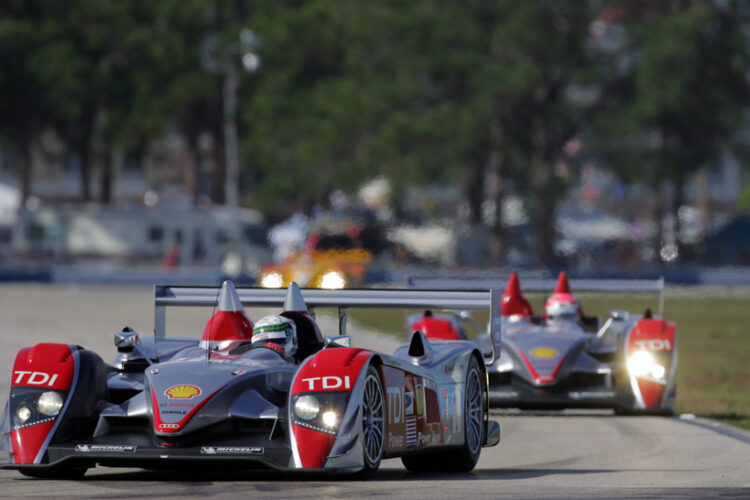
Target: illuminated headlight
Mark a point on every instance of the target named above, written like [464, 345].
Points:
[49, 403]
[307, 407]
[329, 418]
[658, 371]
[332, 280]
[642, 364]
[272, 280]
[23, 414]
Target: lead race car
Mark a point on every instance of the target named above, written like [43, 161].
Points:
[279, 396]
[566, 359]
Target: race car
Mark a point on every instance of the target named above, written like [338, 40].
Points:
[332, 257]
[271, 394]
[565, 359]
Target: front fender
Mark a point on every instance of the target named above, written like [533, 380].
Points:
[658, 338]
[332, 376]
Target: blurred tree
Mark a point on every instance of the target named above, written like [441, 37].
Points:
[425, 92]
[22, 113]
[681, 98]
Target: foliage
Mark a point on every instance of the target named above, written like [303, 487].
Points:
[423, 92]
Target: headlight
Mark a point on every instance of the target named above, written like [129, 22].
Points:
[658, 371]
[272, 280]
[306, 407]
[329, 418]
[49, 403]
[332, 280]
[23, 414]
[641, 364]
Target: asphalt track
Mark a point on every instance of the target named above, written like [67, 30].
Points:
[545, 455]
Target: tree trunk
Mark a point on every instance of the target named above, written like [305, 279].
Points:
[84, 159]
[544, 228]
[106, 180]
[23, 161]
[475, 193]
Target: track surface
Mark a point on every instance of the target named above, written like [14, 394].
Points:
[540, 456]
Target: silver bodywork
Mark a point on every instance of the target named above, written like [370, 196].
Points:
[173, 401]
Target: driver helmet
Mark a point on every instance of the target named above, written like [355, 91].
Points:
[276, 330]
[562, 307]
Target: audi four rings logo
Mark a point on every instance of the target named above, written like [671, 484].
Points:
[169, 426]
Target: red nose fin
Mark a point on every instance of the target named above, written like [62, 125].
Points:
[513, 302]
[562, 283]
[514, 286]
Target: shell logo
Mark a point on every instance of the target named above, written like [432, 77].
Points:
[182, 392]
[544, 352]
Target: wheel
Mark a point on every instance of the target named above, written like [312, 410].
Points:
[475, 413]
[373, 422]
[61, 473]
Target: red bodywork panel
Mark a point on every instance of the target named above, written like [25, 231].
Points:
[436, 328]
[542, 378]
[228, 325]
[330, 370]
[652, 335]
[44, 366]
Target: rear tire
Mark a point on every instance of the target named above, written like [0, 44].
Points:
[373, 422]
[466, 456]
[475, 418]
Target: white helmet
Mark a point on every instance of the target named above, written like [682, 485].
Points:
[276, 329]
[562, 306]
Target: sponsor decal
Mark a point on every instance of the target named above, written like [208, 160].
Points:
[654, 344]
[395, 404]
[168, 426]
[395, 441]
[34, 378]
[109, 448]
[328, 382]
[174, 412]
[187, 405]
[154, 370]
[183, 391]
[239, 372]
[598, 394]
[544, 352]
[232, 450]
[409, 402]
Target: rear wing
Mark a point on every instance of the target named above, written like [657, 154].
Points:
[169, 296]
[543, 284]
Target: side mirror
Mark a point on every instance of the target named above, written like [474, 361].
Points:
[339, 340]
[619, 315]
[127, 339]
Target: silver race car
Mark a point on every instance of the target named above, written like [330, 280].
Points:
[566, 359]
[278, 396]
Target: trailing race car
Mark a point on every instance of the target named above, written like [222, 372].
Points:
[566, 359]
[276, 394]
